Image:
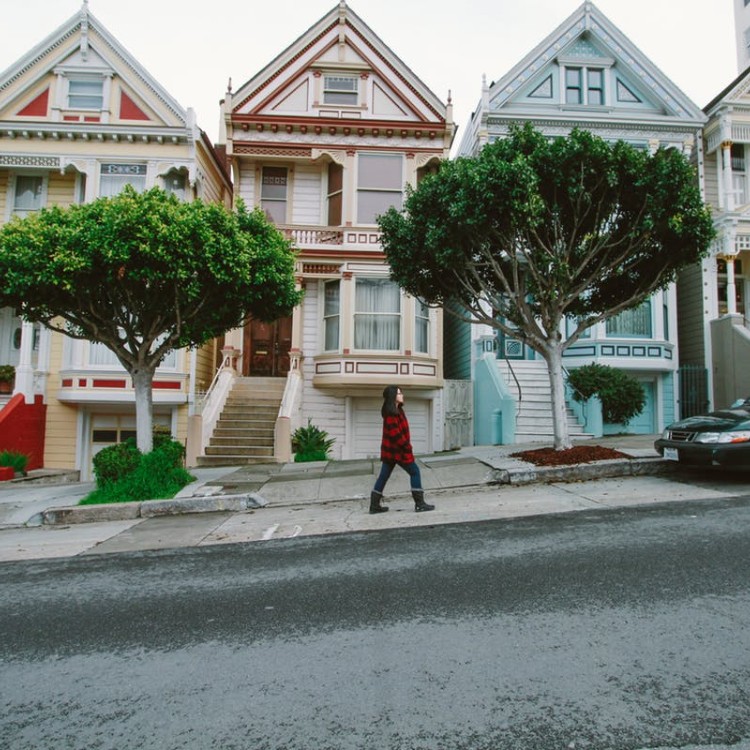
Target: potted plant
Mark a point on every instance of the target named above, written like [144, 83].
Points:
[7, 376]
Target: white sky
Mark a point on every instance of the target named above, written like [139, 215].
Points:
[193, 47]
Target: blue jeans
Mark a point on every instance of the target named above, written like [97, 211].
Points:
[415, 478]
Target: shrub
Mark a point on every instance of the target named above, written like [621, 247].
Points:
[115, 462]
[18, 461]
[311, 443]
[622, 396]
[157, 476]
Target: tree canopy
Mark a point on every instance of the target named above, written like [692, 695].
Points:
[535, 230]
[144, 273]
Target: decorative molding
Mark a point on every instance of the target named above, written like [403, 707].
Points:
[242, 148]
[51, 162]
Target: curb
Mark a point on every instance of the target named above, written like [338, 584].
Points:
[151, 509]
[582, 472]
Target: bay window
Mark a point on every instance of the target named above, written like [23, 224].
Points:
[380, 184]
[635, 323]
[114, 177]
[422, 327]
[331, 314]
[377, 315]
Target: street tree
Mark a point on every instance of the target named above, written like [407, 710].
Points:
[533, 231]
[143, 274]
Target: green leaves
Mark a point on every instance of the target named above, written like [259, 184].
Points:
[142, 268]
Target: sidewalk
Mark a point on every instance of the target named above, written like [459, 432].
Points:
[271, 501]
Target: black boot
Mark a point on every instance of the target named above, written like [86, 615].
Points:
[375, 506]
[419, 504]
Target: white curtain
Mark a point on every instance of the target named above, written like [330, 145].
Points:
[377, 318]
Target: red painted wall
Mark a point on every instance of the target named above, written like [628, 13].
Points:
[22, 429]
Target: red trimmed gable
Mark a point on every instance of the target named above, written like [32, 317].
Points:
[129, 110]
[37, 107]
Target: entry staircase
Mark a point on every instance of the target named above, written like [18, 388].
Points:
[534, 400]
[244, 433]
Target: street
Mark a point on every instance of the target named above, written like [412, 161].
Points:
[599, 629]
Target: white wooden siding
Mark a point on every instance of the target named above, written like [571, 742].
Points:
[367, 426]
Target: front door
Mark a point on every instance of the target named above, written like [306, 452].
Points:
[265, 350]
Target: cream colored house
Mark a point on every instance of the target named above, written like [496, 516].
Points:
[324, 138]
[80, 118]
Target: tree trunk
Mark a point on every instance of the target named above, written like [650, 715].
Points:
[144, 409]
[553, 355]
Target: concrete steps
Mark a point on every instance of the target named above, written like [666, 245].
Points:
[534, 419]
[244, 433]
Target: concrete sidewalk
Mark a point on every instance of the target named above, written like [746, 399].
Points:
[255, 503]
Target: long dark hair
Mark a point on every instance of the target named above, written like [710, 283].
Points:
[390, 407]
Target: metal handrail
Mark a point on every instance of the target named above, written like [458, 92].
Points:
[518, 386]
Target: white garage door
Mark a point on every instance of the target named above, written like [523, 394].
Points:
[368, 426]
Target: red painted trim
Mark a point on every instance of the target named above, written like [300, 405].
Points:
[82, 382]
[72, 118]
[36, 107]
[92, 118]
[67, 383]
[109, 383]
[171, 384]
[129, 110]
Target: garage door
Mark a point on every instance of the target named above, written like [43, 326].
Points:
[368, 426]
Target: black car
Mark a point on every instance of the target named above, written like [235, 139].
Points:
[720, 438]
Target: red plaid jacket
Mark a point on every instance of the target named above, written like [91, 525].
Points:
[396, 444]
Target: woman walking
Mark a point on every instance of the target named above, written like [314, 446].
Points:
[395, 448]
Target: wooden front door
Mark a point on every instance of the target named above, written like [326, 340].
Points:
[265, 350]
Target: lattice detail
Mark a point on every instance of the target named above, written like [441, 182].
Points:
[321, 268]
[240, 148]
[30, 161]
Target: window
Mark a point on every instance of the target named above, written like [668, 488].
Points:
[331, 314]
[341, 90]
[114, 177]
[739, 174]
[29, 195]
[335, 194]
[739, 286]
[176, 184]
[635, 323]
[85, 93]
[273, 193]
[377, 315]
[380, 184]
[593, 91]
[101, 355]
[422, 327]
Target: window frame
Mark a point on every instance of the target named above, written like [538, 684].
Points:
[118, 169]
[263, 200]
[422, 320]
[584, 86]
[630, 318]
[76, 79]
[373, 189]
[359, 316]
[330, 317]
[331, 93]
[12, 208]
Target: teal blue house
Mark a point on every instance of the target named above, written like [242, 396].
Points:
[585, 74]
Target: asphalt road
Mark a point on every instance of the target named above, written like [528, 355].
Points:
[614, 630]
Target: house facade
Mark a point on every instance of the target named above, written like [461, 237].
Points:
[324, 139]
[80, 118]
[586, 74]
[715, 333]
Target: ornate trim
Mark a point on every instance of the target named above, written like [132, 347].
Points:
[241, 148]
[52, 162]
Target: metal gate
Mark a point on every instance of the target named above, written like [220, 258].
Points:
[693, 381]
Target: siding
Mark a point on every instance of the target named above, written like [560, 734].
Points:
[456, 348]
[306, 201]
[326, 411]
[711, 179]
[204, 366]
[3, 195]
[62, 419]
[246, 188]
[61, 189]
[691, 328]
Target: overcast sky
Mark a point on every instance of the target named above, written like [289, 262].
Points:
[192, 48]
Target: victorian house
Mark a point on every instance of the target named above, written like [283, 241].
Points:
[324, 139]
[585, 74]
[714, 329]
[80, 118]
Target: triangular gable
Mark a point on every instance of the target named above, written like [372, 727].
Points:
[585, 41]
[342, 42]
[737, 93]
[83, 49]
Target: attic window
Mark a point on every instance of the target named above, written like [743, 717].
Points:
[341, 90]
[584, 85]
[85, 93]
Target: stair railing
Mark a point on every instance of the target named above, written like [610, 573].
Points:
[215, 397]
[282, 437]
[518, 386]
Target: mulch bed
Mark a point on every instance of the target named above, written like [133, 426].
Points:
[579, 454]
